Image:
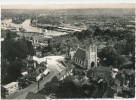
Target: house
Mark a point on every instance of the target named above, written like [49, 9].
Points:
[31, 64]
[112, 89]
[86, 58]
[73, 79]
[71, 54]
[115, 86]
[32, 95]
[11, 87]
[64, 73]
[101, 72]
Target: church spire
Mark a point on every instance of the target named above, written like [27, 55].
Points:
[91, 42]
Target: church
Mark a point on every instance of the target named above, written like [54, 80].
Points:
[86, 58]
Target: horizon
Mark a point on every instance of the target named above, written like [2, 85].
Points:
[70, 6]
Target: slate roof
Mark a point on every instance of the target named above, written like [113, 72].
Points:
[80, 54]
[73, 79]
[63, 72]
[103, 69]
[32, 95]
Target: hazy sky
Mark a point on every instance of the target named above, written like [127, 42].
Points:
[67, 6]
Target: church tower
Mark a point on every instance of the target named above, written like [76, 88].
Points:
[91, 54]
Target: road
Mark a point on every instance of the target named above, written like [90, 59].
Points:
[54, 69]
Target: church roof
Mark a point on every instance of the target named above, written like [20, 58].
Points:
[80, 54]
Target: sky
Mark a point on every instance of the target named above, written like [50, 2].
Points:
[68, 6]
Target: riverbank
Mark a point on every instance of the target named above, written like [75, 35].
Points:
[18, 20]
[26, 26]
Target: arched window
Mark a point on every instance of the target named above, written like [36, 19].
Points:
[81, 62]
[77, 60]
[92, 64]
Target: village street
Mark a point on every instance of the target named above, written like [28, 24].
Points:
[52, 64]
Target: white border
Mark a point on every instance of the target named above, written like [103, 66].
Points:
[11, 2]
[3, 2]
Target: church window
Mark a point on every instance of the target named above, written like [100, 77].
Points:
[92, 64]
[81, 63]
[75, 59]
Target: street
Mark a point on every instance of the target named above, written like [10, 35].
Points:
[54, 69]
[33, 88]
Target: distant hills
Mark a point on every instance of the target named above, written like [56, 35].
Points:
[91, 11]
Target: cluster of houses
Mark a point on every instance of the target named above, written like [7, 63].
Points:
[5, 26]
[31, 71]
[84, 62]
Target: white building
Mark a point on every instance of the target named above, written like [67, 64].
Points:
[12, 87]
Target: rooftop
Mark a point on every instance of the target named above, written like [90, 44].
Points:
[63, 72]
[80, 54]
[105, 69]
[10, 84]
[32, 95]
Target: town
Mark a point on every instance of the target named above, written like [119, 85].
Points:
[67, 53]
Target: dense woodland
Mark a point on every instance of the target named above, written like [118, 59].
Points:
[13, 52]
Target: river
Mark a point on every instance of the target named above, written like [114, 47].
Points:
[29, 28]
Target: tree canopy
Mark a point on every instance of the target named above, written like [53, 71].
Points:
[13, 52]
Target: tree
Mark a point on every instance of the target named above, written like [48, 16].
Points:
[8, 35]
[71, 90]
[3, 92]
[98, 32]
[103, 53]
[14, 52]
[4, 69]
[19, 49]
[121, 60]
[12, 49]
[88, 33]
[112, 57]
[50, 88]
[30, 49]
[14, 70]
[109, 42]
[133, 57]
[6, 48]
[120, 46]
[130, 44]
[107, 32]
[107, 38]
